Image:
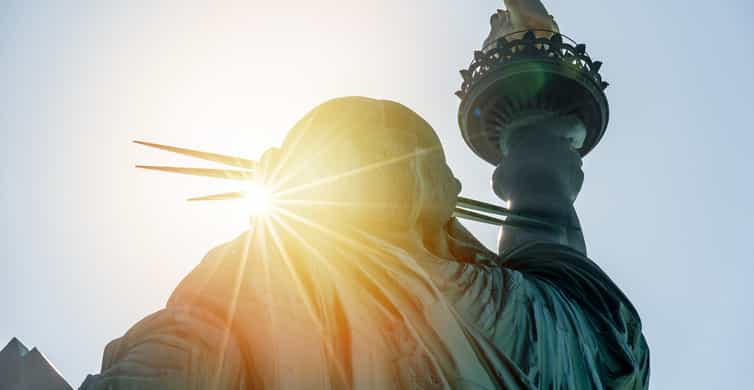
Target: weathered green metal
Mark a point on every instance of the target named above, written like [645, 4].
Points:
[532, 73]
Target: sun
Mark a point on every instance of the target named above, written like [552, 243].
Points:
[257, 198]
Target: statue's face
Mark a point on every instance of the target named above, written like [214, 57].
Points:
[440, 187]
[379, 165]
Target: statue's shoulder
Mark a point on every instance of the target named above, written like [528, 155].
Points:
[217, 271]
[227, 250]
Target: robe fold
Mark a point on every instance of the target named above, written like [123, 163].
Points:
[273, 309]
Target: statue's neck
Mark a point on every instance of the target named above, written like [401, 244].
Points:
[435, 240]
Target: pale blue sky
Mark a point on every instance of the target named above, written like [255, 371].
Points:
[91, 245]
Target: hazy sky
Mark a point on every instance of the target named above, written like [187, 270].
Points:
[91, 245]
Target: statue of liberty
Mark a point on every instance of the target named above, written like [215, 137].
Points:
[362, 277]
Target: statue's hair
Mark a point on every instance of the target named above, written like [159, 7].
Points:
[352, 117]
[366, 155]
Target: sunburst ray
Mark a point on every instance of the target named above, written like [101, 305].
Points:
[234, 301]
[315, 311]
[308, 222]
[367, 252]
[283, 160]
[370, 252]
[357, 171]
[374, 257]
[331, 203]
[269, 301]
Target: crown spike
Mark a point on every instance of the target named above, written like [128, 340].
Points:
[222, 196]
[228, 174]
[233, 161]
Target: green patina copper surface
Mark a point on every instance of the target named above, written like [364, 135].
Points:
[391, 292]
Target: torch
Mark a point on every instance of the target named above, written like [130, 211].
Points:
[533, 104]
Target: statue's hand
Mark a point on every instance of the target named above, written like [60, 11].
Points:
[526, 7]
[520, 16]
[529, 15]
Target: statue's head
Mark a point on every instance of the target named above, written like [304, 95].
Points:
[373, 163]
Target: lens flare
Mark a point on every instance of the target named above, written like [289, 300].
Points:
[257, 198]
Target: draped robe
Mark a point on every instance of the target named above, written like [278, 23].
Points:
[361, 297]
[272, 310]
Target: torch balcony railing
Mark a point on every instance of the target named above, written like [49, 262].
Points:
[525, 46]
